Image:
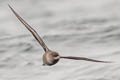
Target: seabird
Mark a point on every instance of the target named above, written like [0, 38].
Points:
[50, 57]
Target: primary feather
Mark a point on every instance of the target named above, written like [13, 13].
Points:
[34, 33]
[83, 58]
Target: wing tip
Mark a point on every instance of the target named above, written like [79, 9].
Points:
[9, 6]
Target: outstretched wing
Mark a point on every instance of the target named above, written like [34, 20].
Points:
[83, 58]
[34, 33]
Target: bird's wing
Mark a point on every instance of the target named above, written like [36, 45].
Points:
[83, 58]
[34, 33]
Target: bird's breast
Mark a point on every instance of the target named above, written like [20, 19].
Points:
[49, 59]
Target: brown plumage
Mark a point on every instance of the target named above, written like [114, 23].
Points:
[49, 57]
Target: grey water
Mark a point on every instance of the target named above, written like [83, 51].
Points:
[88, 28]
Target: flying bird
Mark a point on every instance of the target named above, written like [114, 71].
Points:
[50, 57]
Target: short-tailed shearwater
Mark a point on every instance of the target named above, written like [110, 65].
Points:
[50, 57]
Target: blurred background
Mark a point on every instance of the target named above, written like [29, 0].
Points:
[87, 28]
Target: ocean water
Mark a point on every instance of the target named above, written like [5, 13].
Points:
[89, 28]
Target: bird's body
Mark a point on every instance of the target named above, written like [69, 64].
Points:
[49, 57]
